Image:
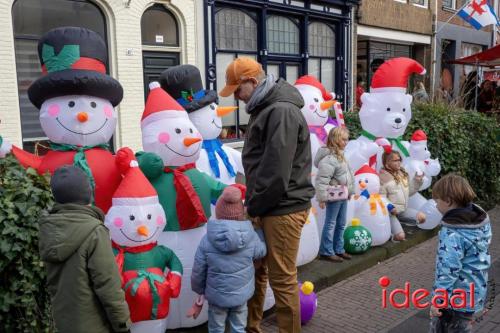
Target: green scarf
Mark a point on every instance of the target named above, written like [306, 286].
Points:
[396, 141]
[80, 160]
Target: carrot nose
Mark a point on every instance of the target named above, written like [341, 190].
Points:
[362, 185]
[189, 141]
[326, 105]
[82, 117]
[225, 110]
[143, 231]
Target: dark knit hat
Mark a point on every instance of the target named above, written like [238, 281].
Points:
[230, 206]
[70, 184]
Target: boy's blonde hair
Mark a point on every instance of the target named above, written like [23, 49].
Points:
[334, 137]
[453, 189]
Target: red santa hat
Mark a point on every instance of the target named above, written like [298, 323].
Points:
[392, 75]
[310, 80]
[419, 136]
[160, 105]
[366, 169]
[135, 189]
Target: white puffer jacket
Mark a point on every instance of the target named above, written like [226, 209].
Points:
[397, 193]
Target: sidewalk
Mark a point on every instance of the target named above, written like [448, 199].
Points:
[354, 304]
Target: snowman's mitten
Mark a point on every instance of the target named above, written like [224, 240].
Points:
[150, 164]
[433, 168]
[175, 280]
[5, 147]
[390, 207]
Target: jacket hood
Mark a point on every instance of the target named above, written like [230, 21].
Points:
[320, 154]
[470, 217]
[65, 229]
[229, 236]
[281, 92]
[385, 176]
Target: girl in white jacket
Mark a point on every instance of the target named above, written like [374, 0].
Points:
[333, 169]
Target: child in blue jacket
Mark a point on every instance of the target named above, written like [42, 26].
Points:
[223, 269]
[463, 257]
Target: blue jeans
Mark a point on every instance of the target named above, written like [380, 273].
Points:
[236, 316]
[332, 237]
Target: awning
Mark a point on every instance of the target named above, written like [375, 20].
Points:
[488, 58]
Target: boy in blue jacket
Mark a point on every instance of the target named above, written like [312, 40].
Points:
[463, 257]
[223, 268]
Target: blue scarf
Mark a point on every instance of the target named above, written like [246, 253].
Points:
[215, 146]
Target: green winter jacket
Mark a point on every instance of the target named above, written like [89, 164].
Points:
[82, 276]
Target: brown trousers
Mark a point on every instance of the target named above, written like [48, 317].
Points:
[282, 239]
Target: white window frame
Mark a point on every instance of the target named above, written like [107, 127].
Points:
[453, 5]
[425, 5]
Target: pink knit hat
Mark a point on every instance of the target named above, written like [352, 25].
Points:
[230, 206]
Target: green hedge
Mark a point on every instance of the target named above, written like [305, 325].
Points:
[24, 301]
[465, 142]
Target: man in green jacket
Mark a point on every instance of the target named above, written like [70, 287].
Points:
[277, 162]
[82, 276]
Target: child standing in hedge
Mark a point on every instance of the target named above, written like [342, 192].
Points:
[82, 276]
[462, 257]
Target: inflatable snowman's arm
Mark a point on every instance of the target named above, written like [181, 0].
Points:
[236, 155]
[415, 183]
[390, 207]
[361, 199]
[200, 266]
[106, 283]
[216, 187]
[150, 164]
[433, 168]
[358, 153]
[174, 277]
[27, 160]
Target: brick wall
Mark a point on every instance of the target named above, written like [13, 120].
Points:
[124, 28]
[392, 14]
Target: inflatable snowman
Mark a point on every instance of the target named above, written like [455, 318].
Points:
[370, 207]
[418, 163]
[172, 145]
[184, 84]
[385, 113]
[135, 221]
[76, 100]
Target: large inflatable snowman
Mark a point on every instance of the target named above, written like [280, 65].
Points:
[370, 207]
[184, 84]
[151, 273]
[172, 145]
[385, 113]
[420, 163]
[76, 100]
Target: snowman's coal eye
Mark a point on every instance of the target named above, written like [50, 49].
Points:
[149, 216]
[190, 130]
[388, 109]
[404, 110]
[425, 148]
[71, 104]
[359, 182]
[93, 104]
[316, 100]
[366, 181]
[131, 217]
[178, 130]
[212, 106]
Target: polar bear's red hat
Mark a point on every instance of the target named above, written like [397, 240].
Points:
[392, 75]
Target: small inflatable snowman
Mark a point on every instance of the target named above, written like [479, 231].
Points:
[135, 221]
[172, 145]
[76, 99]
[184, 84]
[420, 163]
[370, 207]
[385, 113]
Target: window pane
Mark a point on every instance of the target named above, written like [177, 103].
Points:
[235, 30]
[292, 73]
[282, 35]
[273, 69]
[327, 73]
[418, 2]
[158, 27]
[448, 3]
[36, 17]
[313, 68]
[470, 49]
[321, 40]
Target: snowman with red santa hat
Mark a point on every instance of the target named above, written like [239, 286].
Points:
[172, 145]
[76, 99]
[151, 273]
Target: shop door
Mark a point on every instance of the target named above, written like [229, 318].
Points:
[154, 63]
[287, 69]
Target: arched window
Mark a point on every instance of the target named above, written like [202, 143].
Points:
[31, 19]
[159, 27]
[321, 47]
[282, 35]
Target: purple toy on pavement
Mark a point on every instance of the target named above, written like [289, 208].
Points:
[308, 301]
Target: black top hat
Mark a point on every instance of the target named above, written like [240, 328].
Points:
[73, 62]
[183, 83]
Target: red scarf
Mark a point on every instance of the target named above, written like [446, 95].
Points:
[120, 257]
[190, 212]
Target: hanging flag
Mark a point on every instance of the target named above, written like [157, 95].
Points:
[479, 13]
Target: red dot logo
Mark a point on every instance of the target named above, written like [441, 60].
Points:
[384, 281]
